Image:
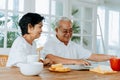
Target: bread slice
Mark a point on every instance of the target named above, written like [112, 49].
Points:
[103, 69]
[59, 68]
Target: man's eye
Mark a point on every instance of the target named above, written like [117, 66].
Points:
[65, 31]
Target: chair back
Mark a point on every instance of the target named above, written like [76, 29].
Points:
[3, 60]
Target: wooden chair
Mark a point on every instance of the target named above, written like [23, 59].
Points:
[3, 60]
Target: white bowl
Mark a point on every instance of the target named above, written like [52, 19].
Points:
[31, 69]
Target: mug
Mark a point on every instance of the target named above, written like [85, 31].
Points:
[115, 64]
[32, 58]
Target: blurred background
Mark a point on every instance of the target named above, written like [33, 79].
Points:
[96, 23]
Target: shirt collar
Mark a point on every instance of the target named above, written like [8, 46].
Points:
[59, 42]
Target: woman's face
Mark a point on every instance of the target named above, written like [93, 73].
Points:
[36, 30]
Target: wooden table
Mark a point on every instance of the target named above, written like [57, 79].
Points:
[14, 74]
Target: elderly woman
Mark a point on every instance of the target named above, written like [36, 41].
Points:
[31, 28]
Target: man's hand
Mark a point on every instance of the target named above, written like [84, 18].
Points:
[83, 62]
[47, 62]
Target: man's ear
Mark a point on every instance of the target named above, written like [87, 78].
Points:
[30, 28]
[56, 29]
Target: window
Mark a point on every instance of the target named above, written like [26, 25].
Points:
[52, 10]
[114, 30]
[109, 23]
[10, 12]
[83, 15]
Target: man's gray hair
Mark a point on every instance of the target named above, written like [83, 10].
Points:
[61, 19]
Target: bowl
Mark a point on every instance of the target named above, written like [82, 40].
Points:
[31, 69]
[115, 64]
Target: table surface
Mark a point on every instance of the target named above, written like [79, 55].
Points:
[14, 74]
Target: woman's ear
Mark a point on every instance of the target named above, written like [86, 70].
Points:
[30, 28]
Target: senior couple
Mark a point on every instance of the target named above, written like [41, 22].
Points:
[58, 49]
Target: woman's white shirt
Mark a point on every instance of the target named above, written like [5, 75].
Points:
[19, 51]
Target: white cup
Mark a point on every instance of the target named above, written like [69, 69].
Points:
[32, 58]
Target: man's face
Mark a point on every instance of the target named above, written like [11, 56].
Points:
[64, 32]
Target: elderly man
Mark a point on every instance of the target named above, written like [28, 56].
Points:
[60, 48]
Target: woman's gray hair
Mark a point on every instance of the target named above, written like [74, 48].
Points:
[61, 19]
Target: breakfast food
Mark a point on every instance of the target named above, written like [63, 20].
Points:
[59, 68]
[102, 69]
